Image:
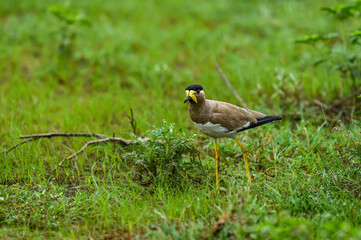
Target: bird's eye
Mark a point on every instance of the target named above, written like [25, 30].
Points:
[198, 91]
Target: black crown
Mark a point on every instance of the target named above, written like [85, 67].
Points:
[195, 87]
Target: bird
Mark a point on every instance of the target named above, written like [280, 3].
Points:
[218, 119]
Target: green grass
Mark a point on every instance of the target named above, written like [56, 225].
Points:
[142, 55]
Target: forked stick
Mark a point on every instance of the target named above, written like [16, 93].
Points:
[101, 139]
[87, 144]
[33, 137]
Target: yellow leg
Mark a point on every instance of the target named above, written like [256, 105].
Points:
[244, 150]
[217, 163]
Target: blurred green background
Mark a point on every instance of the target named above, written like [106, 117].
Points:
[143, 55]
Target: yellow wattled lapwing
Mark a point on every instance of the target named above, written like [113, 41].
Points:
[220, 119]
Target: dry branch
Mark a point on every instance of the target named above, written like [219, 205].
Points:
[49, 135]
[101, 139]
[33, 137]
[224, 78]
[132, 121]
[121, 141]
[17, 145]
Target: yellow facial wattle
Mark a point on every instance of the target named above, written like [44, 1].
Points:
[192, 93]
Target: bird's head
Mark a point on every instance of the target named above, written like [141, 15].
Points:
[194, 94]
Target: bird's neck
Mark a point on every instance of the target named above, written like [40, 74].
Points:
[199, 105]
[198, 111]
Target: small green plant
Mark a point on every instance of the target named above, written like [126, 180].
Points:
[68, 17]
[160, 159]
[343, 12]
[340, 47]
[289, 89]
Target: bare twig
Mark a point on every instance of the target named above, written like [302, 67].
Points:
[34, 137]
[224, 78]
[101, 139]
[17, 145]
[132, 121]
[49, 135]
[87, 144]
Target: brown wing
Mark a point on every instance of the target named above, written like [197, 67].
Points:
[231, 116]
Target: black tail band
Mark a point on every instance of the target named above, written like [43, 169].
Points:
[262, 121]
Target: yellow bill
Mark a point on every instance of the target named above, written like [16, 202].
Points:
[190, 95]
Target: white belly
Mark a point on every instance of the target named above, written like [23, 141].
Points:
[215, 130]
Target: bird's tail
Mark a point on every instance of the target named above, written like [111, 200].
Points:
[261, 121]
